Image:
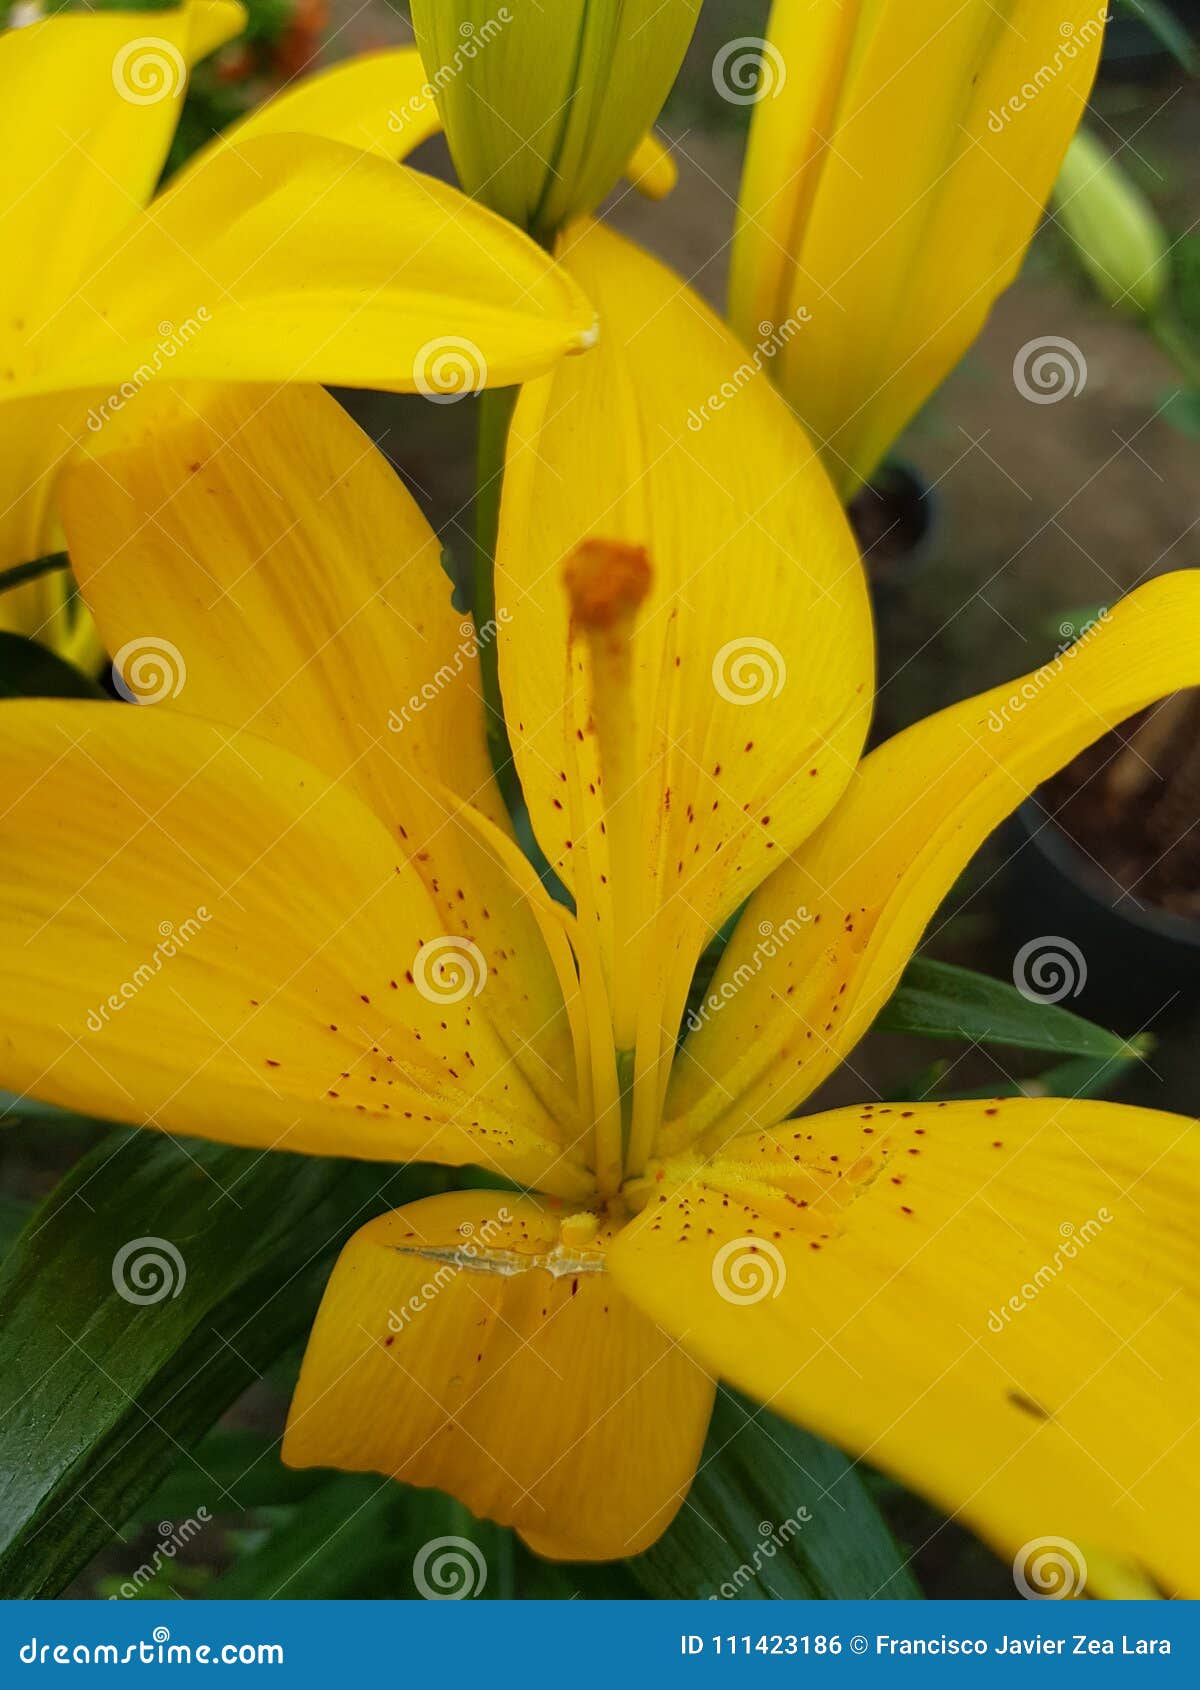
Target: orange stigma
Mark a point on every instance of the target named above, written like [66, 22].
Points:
[606, 581]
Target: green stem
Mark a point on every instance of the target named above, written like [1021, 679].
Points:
[23, 572]
[1178, 346]
[496, 406]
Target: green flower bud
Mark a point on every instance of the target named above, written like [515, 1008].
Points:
[1113, 227]
[544, 101]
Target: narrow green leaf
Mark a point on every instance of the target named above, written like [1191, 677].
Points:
[774, 1512]
[234, 1463]
[30, 670]
[938, 1001]
[100, 1394]
[1082, 1076]
[1161, 21]
[20, 574]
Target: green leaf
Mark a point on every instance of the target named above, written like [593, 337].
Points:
[237, 1463]
[938, 1001]
[1161, 21]
[361, 1535]
[1083, 1076]
[99, 1394]
[30, 670]
[773, 1512]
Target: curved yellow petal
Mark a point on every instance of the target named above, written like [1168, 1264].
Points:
[264, 536]
[294, 258]
[897, 168]
[995, 1303]
[381, 102]
[474, 1342]
[233, 947]
[651, 168]
[665, 782]
[88, 106]
[821, 948]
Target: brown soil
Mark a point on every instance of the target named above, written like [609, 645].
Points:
[1132, 803]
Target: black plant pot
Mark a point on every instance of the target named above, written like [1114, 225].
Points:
[897, 521]
[1139, 959]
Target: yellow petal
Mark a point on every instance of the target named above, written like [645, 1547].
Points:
[821, 948]
[475, 1342]
[748, 688]
[651, 169]
[263, 535]
[233, 947]
[995, 1303]
[294, 258]
[88, 106]
[897, 169]
[381, 102]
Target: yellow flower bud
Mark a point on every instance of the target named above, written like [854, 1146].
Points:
[544, 103]
[1113, 227]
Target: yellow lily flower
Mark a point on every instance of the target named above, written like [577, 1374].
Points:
[274, 256]
[376, 971]
[544, 105]
[897, 167]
